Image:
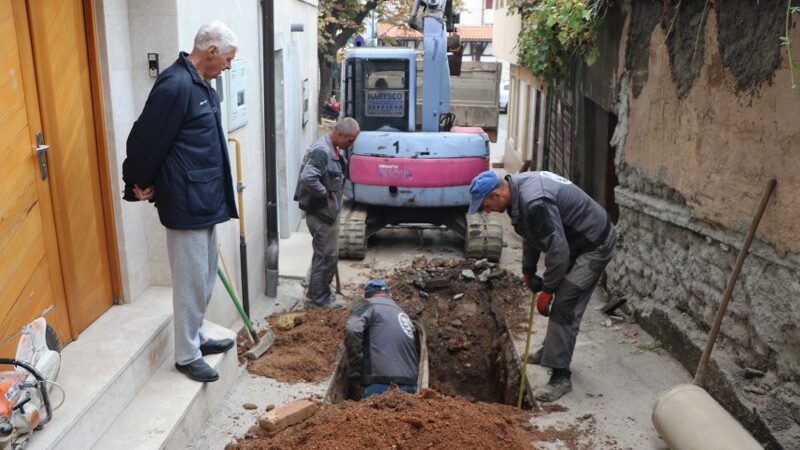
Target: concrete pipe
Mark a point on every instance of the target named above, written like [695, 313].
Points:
[688, 418]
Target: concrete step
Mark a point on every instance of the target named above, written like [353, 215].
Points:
[102, 371]
[171, 408]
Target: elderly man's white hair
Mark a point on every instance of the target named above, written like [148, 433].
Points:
[215, 33]
[347, 126]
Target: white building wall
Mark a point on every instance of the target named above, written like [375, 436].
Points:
[298, 53]
[127, 31]
[504, 35]
[473, 12]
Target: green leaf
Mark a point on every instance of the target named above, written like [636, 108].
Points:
[591, 57]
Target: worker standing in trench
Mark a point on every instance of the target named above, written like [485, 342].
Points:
[577, 236]
[380, 346]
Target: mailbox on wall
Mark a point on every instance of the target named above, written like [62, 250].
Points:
[237, 94]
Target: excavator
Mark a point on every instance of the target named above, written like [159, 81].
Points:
[399, 175]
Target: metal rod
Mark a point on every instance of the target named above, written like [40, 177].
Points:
[523, 369]
[726, 297]
[242, 238]
[243, 263]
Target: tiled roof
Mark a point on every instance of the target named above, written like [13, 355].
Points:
[475, 32]
[467, 32]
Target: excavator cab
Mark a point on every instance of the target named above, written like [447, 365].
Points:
[379, 88]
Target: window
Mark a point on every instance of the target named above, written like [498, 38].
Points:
[378, 93]
[488, 4]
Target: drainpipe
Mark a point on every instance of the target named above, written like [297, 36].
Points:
[268, 27]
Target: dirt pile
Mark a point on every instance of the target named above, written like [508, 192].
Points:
[305, 353]
[396, 420]
[464, 306]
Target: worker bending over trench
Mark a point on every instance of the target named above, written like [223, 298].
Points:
[576, 234]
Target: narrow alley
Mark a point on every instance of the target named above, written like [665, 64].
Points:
[400, 224]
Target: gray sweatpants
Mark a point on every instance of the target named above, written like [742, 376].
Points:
[193, 263]
[571, 298]
[325, 241]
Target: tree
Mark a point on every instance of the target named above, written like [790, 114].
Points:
[339, 20]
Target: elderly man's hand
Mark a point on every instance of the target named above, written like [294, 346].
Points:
[143, 194]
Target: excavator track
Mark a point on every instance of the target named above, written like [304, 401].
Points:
[353, 231]
[484, 237]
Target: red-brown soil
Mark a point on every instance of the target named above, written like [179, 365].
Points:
[306, 353]
[396, 420]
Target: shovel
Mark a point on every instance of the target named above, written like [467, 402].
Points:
[259, 345]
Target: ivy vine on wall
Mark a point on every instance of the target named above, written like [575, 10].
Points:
[556, 31]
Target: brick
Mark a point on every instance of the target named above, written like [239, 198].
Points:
[287, 415]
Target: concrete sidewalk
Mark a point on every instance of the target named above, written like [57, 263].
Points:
[294, 254]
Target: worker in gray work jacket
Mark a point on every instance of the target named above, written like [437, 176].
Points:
[379, 340]
[576, 234]
[319, 193]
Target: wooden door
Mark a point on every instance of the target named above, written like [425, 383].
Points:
[61, 58]
[30, 276]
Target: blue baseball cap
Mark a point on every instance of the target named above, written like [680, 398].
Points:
[374, 285]
[481, 185]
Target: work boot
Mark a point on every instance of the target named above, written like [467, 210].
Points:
[212, 346]
[198, 370]
[335, 303]
[558, 385]
[536, 357]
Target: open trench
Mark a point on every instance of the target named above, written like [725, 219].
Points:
[473, 371]
[470, 352]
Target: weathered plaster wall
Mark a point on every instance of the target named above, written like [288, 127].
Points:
[716, 147]
[692, 168]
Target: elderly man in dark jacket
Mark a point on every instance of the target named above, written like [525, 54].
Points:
[380, 345]
[555, 217]
[177, 157]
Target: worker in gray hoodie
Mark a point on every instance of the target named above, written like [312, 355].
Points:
[380, 345]
[577, 236]
[319, 192]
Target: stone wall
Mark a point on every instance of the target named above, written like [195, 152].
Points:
[668, 256]
[673, 270]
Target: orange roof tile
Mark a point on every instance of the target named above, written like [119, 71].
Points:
[475, 32]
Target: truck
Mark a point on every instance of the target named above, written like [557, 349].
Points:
[399, 174]
[474, 96]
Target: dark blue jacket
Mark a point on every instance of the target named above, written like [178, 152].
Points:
[177, 145]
